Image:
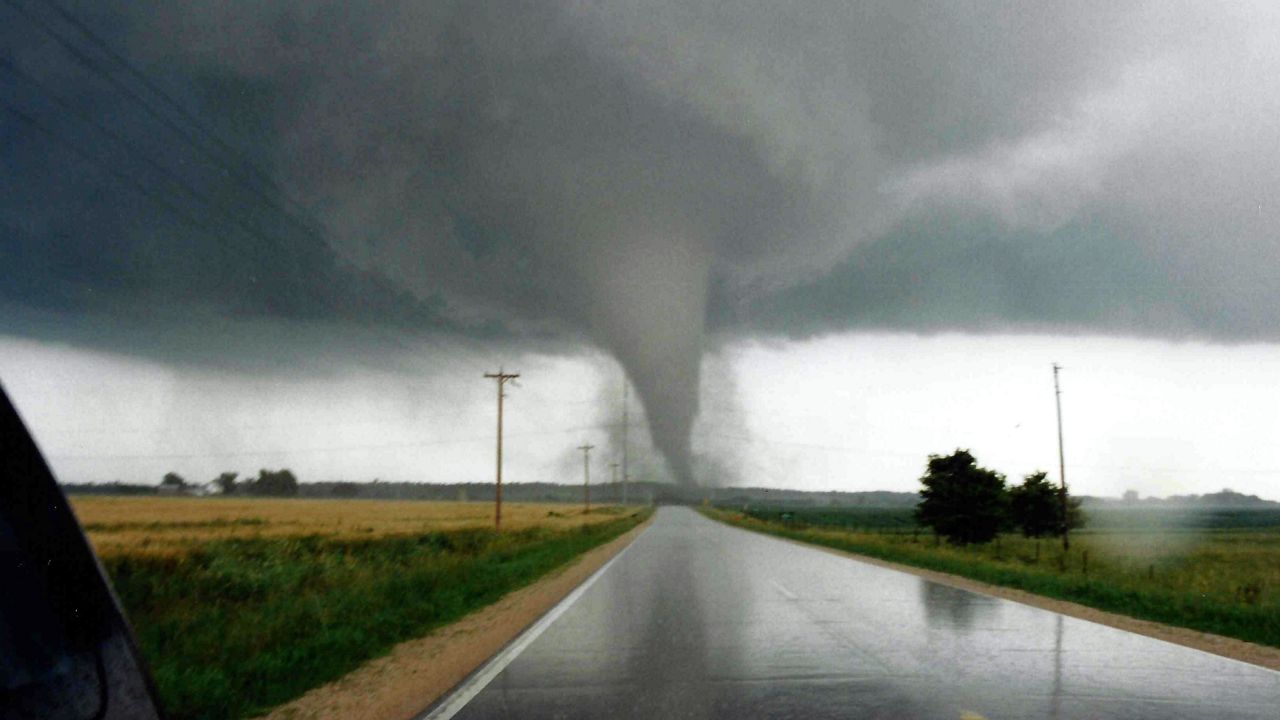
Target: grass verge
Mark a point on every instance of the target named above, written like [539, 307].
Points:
[234, 627]
[1224, 583]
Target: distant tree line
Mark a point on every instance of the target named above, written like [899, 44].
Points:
[1225, 498]
[269, 483]
[966, 503]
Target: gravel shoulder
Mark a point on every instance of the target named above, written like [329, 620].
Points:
[418, 672]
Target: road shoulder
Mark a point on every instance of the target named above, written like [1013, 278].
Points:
[1232, 648]
[418, 672]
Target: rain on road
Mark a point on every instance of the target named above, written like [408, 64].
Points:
[700, 620]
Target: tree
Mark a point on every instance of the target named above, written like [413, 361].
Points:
[345, 490]
[1036, 507]
[277, 483]
[226, 482]
[961, 501]
[174, 480]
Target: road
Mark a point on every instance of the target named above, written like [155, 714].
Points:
[700, 620]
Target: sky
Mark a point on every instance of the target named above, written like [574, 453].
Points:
[299, 233]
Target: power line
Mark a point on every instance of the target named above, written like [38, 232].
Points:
[326, 449]
[255, 192]
[132, 149]
[453, 415]
[1087, 466]
[236, 168]
[262, 426]
[138, 186]
[32, 122]
[146, 192]
[807, 445]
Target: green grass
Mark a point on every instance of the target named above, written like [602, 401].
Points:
[1222, 581]
[849, 518]
[238, 626]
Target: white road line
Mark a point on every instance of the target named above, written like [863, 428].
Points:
[785, 592]
[472, 685]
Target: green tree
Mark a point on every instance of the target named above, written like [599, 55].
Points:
[280, 483]
[226, 482]
[1036, 507]
[961, 501]
[173, 479]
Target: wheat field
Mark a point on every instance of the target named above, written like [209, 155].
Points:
[164, 525]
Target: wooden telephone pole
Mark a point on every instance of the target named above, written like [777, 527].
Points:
[1062, 462]
[625, 443]
[503, 378]
[586, 477]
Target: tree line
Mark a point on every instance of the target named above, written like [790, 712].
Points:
[967, 503]
[269, 483]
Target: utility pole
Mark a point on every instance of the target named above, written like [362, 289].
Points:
[625, 443]
[1062, 462]
[503, 378]
[586, 477]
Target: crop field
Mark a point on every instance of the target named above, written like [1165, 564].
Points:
[1216, 571]
[164, 525]
[241, 605]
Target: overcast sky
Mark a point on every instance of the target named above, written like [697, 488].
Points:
[298, 233]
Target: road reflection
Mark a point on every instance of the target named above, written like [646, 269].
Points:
[671, 667]
[954, 609]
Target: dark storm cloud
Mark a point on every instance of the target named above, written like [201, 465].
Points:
[639, 173]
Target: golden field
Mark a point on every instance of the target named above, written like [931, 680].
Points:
[164, 525]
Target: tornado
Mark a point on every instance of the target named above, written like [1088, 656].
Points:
[650, 313]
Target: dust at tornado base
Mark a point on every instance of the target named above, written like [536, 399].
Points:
[700, 620]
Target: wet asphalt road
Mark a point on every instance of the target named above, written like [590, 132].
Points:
[700, 620]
